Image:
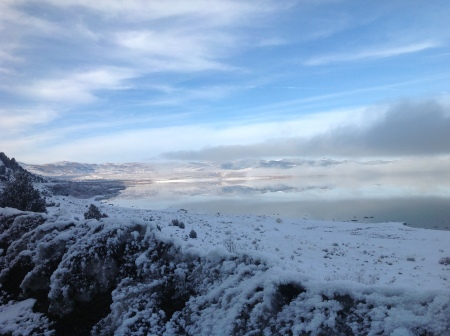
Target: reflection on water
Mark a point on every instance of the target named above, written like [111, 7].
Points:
[420, 200]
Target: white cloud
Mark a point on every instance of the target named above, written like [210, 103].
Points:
[145, 37]
[175, 49]
[16, 23]
[144, 143]
[378, 52]
[174, 96]
[404, 129]
[217, 11]
[135, 145]
[6, 55]
[78, 87]
[184, 58]
[15, 122]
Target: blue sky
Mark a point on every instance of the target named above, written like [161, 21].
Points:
[119, 81]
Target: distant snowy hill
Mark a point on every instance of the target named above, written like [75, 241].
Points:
[67, 169]
[175, 170]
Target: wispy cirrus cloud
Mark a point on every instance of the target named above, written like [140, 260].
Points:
[175, 49]
[226, 72]
[15, 121]
[219, 12]
[371, 53]
[97, 38]
[78, 87]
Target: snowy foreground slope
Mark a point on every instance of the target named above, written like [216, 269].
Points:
[136, 273]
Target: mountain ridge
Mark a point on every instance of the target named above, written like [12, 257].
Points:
[75, 169]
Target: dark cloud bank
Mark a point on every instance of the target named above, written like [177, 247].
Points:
[407, 129]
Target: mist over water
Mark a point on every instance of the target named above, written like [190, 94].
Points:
[419, 200]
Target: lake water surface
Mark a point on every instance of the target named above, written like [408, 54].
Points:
[420, 200]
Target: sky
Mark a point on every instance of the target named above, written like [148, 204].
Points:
[142, 80]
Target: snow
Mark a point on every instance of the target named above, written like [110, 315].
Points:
[386, 254]
[18, 318]
[248, 272]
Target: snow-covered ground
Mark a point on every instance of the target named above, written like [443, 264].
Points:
[241, 275]
[383, 254]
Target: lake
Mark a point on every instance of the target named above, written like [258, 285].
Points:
[420, 200]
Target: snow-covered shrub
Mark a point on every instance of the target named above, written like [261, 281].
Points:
[52, 240]
[359, 277]
[94, 213]
[231, 245]
[16, 260]
[444, 261]
[193, 234]
[20, 194]
[176, 222]
[134, 309]
[145, 303]
[15, 224]
[9, 167]
[35, 253]
[65, 265]
[95, 263]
